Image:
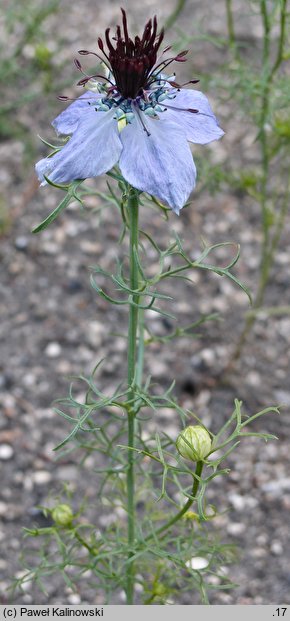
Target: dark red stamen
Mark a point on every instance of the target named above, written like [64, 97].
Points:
[65, 98]
[87, 52]
[87, 78]
[192, 110]
[176, 85]
[132, 61]
[164, 63]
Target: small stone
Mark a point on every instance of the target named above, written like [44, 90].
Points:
[208, 356]
[286, 501]
[67, 473]
[203, 359]
[282, 258]
[225, 598]
[158, 368]
[28, 51]
[29, 379]
[9, 405]
[6, 451]
[284, 328]
[282, 397]
[236, 529]
[121, 512]
[213, 580]
[3, 508]
[197, 562]
[253, 378]
[64, 367]
[276, 548]
[237, 501]
[21, 243]
[50, 248]
[262, 540]
[53, 350]
[276, 487]
[203, 399]
[27, 598]
[27, 484]
[74, 599]
[167, 414]
[16, 267]
[41, 477]
[259, 552]
[46, 413]
[90, 247]
[107, 520]
[95, 332]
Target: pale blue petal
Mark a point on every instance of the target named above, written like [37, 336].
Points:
[93, 149]
[66, 122]
[160, 164]
[201, 127]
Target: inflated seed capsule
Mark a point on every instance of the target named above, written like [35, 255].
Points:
[194, 443]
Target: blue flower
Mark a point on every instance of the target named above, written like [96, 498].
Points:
[137, 117]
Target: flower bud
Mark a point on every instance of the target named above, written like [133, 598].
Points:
[62, 515]
[194, 443]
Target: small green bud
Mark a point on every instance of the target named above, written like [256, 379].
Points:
[62, 515]
[194, 443]
[159, 590]
[191, 516]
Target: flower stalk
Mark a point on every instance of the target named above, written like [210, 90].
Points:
[133, 209]
[181, 513]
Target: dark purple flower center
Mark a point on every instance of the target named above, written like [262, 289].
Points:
[131, 60]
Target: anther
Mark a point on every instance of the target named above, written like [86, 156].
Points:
[78, 64]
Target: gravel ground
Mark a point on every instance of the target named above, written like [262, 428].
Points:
[53, 326]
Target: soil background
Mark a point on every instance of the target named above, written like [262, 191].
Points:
[53, 324]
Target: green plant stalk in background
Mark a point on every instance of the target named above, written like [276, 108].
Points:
[269, 242]
[230, 23]
[171, 19]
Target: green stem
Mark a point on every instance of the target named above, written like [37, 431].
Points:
[175, 518]
[282, 37]
[175, 14]
[132, 208]
[268, 75]
[83, 542]
[141, 348]
[230, 23]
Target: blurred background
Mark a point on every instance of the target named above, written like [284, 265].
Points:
[52, 323]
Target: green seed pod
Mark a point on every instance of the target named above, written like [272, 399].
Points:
[62, 515]
[194, 443]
